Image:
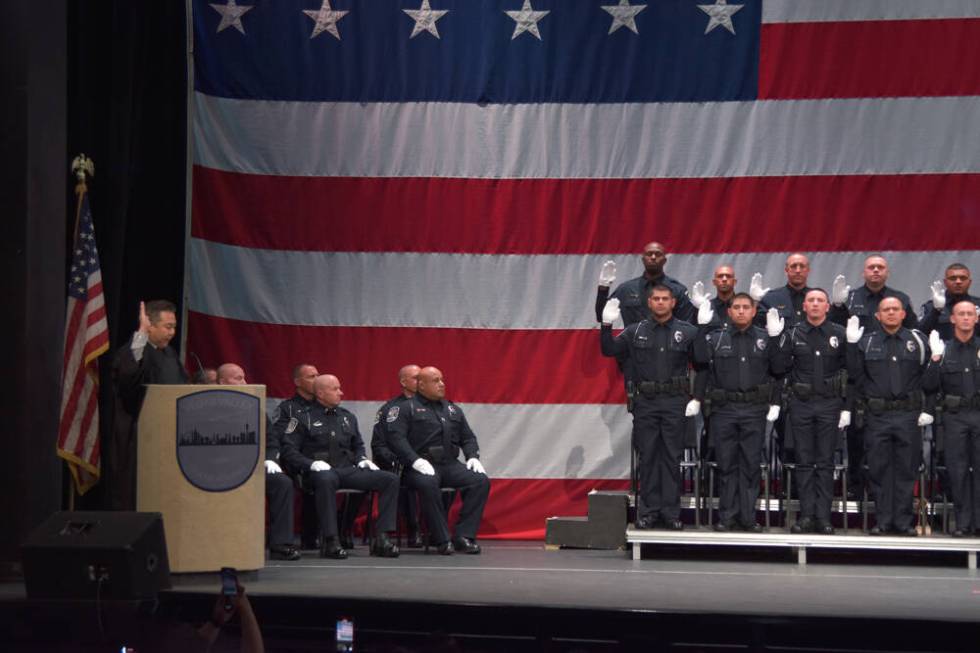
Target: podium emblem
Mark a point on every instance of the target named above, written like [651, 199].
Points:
[218, 438]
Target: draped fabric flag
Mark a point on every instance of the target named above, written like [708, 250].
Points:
[86, 338]
[439, 181]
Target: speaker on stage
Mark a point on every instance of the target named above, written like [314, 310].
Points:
[88, 555]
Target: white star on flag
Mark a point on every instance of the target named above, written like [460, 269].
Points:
[425, 18]
[721, 14]
[231, 15]
[527, 20]
[325, 19]
[624, 15]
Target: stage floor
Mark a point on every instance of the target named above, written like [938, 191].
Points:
[525, 574]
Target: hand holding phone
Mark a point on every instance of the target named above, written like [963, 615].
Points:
[229, 586]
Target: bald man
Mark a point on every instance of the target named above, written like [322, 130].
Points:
[427, 433]
[787, 299]
[724, 282]
[324, 443]
[633, 294]
[278, 486]
[408, 379]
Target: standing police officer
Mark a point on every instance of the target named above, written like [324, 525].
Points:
[817, 383]
[724, 282]
[408, 378]
[632, 294]
[954, 288]
[427, 432]
[788, 299]
[742, 360]
[326, 445]
[659, 353]
[954, 372]
[887, 365]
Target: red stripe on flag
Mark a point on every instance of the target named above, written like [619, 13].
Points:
[91, 412]
[504, 366]
[76, 311]
[896, 58]
[570, 216]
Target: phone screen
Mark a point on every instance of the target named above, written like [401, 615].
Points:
[345, 635]
[229, 584]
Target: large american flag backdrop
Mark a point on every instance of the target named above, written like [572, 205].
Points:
[377, 183]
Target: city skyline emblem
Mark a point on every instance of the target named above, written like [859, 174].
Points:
[217, 438]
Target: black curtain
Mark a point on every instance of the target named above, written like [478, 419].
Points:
[127, 111]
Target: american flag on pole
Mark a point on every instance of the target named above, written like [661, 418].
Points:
[439, 182]
[86, 338]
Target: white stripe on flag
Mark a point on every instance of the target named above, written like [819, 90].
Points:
[800, 11]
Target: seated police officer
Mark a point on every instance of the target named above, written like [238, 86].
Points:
[658, 352]
[742, 361]
[278, 486]
[427, 432]
[954, 372]
[324, 443]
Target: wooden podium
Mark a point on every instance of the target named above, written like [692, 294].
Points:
[200, 463]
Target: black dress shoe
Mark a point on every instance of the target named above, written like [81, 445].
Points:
[823, 528]
[382, 547]
[752, 528]
[724, 527]
[414, 541]
[466, 545]
[331, 549]
[284, 552]
[644, 523]
[805, 525]
[878, 530]
[908, 532]
[347, 541]
[444, 548]
[959, 532]
[675, 524]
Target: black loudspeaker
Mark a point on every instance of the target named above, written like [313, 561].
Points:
[88, 555]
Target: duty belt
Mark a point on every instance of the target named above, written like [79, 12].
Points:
[759, 395]
[954, 403]
[674, 386]
[877, 405]
[833, 387]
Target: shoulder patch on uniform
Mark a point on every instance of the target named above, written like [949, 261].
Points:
[293, 423]
[392, 414]
[452, 409]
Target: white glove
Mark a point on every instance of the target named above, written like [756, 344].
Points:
[845, 419]
[319, 466]
[610, 312]
[705, 314]
[839, 291]
[938, 294]
[756, 291]
[423, 466]
[607, 274]
[698, 296]
[272, 467]
[367, 464]
[936, 344]
[693, 408]
[773, 414]
[774, 323]
[854, 329]
[474, 465]
[925, 419]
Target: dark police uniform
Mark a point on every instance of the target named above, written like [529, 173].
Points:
[957, 378]
[129, 378]
[386, 459]
[887, 372]
[787, 301]
[278, 492]
[931, 319]
[633, 294]
[740, 387]
[863, 303]
[817, 384]
[332, 435]
[719, 314]
[437, 431]
[658, 357]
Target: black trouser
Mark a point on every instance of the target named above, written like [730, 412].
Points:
[962, 438]
[658, 435]
[408, 505]
[737, 431]
[325, 486]
[474, 488]
[814, 423]
[279, 494]
[894, 450]
[855, 455]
